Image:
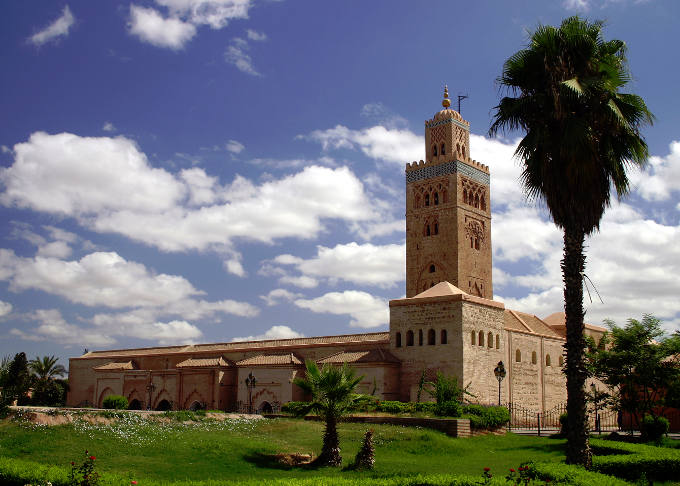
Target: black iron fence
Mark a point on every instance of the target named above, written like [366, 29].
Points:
[599, 421]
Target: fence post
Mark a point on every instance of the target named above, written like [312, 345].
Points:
[538, 416]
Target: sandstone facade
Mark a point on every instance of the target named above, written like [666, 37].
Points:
[448, 321]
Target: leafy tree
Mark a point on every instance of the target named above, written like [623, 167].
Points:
[46, 368]
[18, 379]
[639, 366]
[332, 392]
[582, 134]
[448, 394]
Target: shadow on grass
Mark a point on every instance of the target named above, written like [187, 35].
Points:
[274, 461]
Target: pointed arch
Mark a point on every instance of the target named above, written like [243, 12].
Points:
[489, 340]
[443, 149]
[473, 337]
[443, 338]
[398, 339]
[480, 338]
[518, 356]
[431, 336]
[409, 338]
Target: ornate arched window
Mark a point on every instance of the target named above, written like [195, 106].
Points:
[533, 357]
[436, 198]
[476, 243]
[427, 199]
[482, 203]
[409, 338]
[473, 336]
[442, 338]
[477, 201]
[436, 229]
[518, 356]
[398, 340]
[431, 337]
[489, 340]
[420, 337]
[465, 196]
[434, 150]
[443, 149]
[547, 360]
[480, 339]
[462, 149]
[427, 230]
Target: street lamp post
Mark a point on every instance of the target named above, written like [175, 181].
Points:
[251, 381]
[500, 373]
[150, 388]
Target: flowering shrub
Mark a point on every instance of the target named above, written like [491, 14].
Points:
[84, 475]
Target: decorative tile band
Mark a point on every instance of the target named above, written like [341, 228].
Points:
[448, 120]
[430, 171]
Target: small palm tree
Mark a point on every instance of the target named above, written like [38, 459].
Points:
[582, 134]
[332, 391]
[46, 368]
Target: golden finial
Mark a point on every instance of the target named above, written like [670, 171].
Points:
[446, 102]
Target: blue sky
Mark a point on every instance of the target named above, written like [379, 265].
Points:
[177, 171]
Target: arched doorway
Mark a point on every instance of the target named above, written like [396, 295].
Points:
[196, 405]
[135, 405]
[163, 405]
[265, 407]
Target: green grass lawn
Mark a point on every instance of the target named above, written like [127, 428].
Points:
[239, 449]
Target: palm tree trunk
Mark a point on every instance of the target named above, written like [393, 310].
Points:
[330, 451]
[573, 264]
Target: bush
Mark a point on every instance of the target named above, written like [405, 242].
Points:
[425, 407]
[563, 423]
[653, 428]
[49, 393]
[482, 417]
[390, 406]
[364, 403]
[450, 408]
[295, 408]
[115, 402]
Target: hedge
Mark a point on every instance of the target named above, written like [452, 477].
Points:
[17, 472]
[482, 417]
[632, 461]
[115, 402]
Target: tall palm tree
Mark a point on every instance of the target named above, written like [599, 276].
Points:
[46, 368]
[331, 389]
[582, 134]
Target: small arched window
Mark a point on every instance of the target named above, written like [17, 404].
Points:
[432, 269]
[427, 230]
[436, 229]
[436, 198]
[498, 342]
[477, 200]
[434, 150]
[420, 337]
[481, 338]
[427, 199]
[561, 361]
[473, 336]
[417, 202]
[462, 149]
[518, 356]
[443, 149]
[547, 360]
[409, 338]
[489, 340]
[476, 243]
[398, 340]
[465, 200]
[482, 203]
[533, 357]
[472, 242]
[431, 337]
[442, 338]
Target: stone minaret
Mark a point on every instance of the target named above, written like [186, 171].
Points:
[448, 211]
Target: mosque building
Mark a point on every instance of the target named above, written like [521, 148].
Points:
[448, 321]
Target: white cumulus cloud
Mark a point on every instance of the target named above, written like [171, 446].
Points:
[59, 28]
[274, 332]
[364, 309]
[5, 308]
[150, 26]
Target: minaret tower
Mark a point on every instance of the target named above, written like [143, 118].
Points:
[448, 211]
